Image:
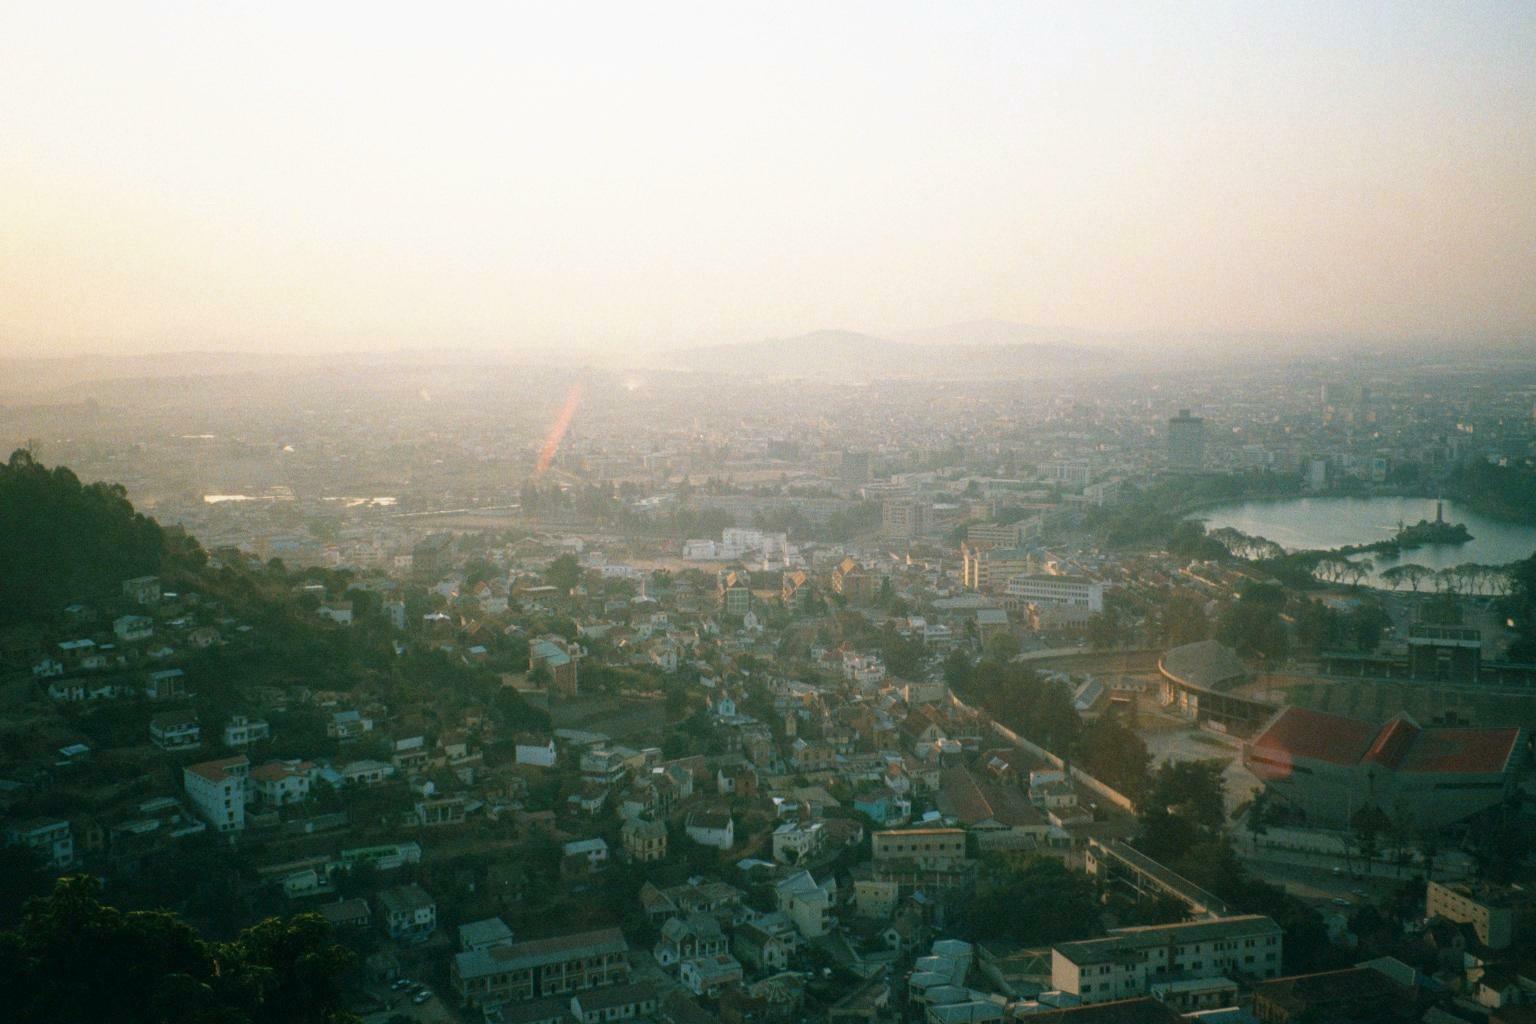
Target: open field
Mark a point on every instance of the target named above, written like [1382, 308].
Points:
[619, 717]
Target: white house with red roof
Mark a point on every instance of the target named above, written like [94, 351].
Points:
[278, 783]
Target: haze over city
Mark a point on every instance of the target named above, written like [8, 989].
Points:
[627, 178]
[966, 513]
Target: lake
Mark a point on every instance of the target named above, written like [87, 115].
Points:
[1304, 523]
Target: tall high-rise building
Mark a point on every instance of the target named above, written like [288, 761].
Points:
[1186, 443]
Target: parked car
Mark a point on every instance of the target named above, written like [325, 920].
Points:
[421, 997]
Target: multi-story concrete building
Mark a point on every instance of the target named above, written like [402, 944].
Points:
[1128, 961]
[734, 591]
[176, 730]
[1072, 472]
[142, 589]
[1045, 589]
[795, 589]
[644, 840]
[852, 581]
[794, 841]
[989, 569]
[1490, 910]
[216, 790]
[279, 783]
[408, 913]
[1003, 535]
[543, 967]
[806, 902]
[903, 520]
[919, 844]
[1186, 443]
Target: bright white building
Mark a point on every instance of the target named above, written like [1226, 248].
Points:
[217, 791]
[712, 828]
[536, 750]
[807, 903]
[1073, 591]
[1125, 963]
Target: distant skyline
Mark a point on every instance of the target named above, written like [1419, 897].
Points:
[625, 178]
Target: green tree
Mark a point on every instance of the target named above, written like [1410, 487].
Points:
[73, 958]
[1253, 626]
[1000, 646]
[1182, 620]
[957, 670]
[1117, 756]
[563, 573]
[1035, 901]
[64, 540]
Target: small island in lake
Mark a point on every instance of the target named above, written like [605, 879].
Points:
[1438, 532]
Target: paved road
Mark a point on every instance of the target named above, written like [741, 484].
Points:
[1320, 885]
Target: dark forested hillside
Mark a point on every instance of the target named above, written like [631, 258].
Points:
[61, 540]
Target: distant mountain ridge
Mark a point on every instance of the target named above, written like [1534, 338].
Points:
[982, 349]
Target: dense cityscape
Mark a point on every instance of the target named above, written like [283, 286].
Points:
[667, 695]
[794, 513]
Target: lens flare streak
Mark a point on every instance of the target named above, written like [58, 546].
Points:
[557, 430]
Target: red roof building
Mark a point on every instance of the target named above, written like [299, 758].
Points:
[1331, 768]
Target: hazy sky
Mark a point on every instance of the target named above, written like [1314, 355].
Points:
[220, 175]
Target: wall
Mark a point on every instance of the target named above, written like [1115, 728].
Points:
[1102, 789]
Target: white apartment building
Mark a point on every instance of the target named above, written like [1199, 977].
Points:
[217, 791]
[807, 903]
[1128, 961]
[1073, 591]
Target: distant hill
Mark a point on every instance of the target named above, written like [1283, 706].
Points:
[853, 355]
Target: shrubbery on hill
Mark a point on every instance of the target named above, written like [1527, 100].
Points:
[64, 541]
